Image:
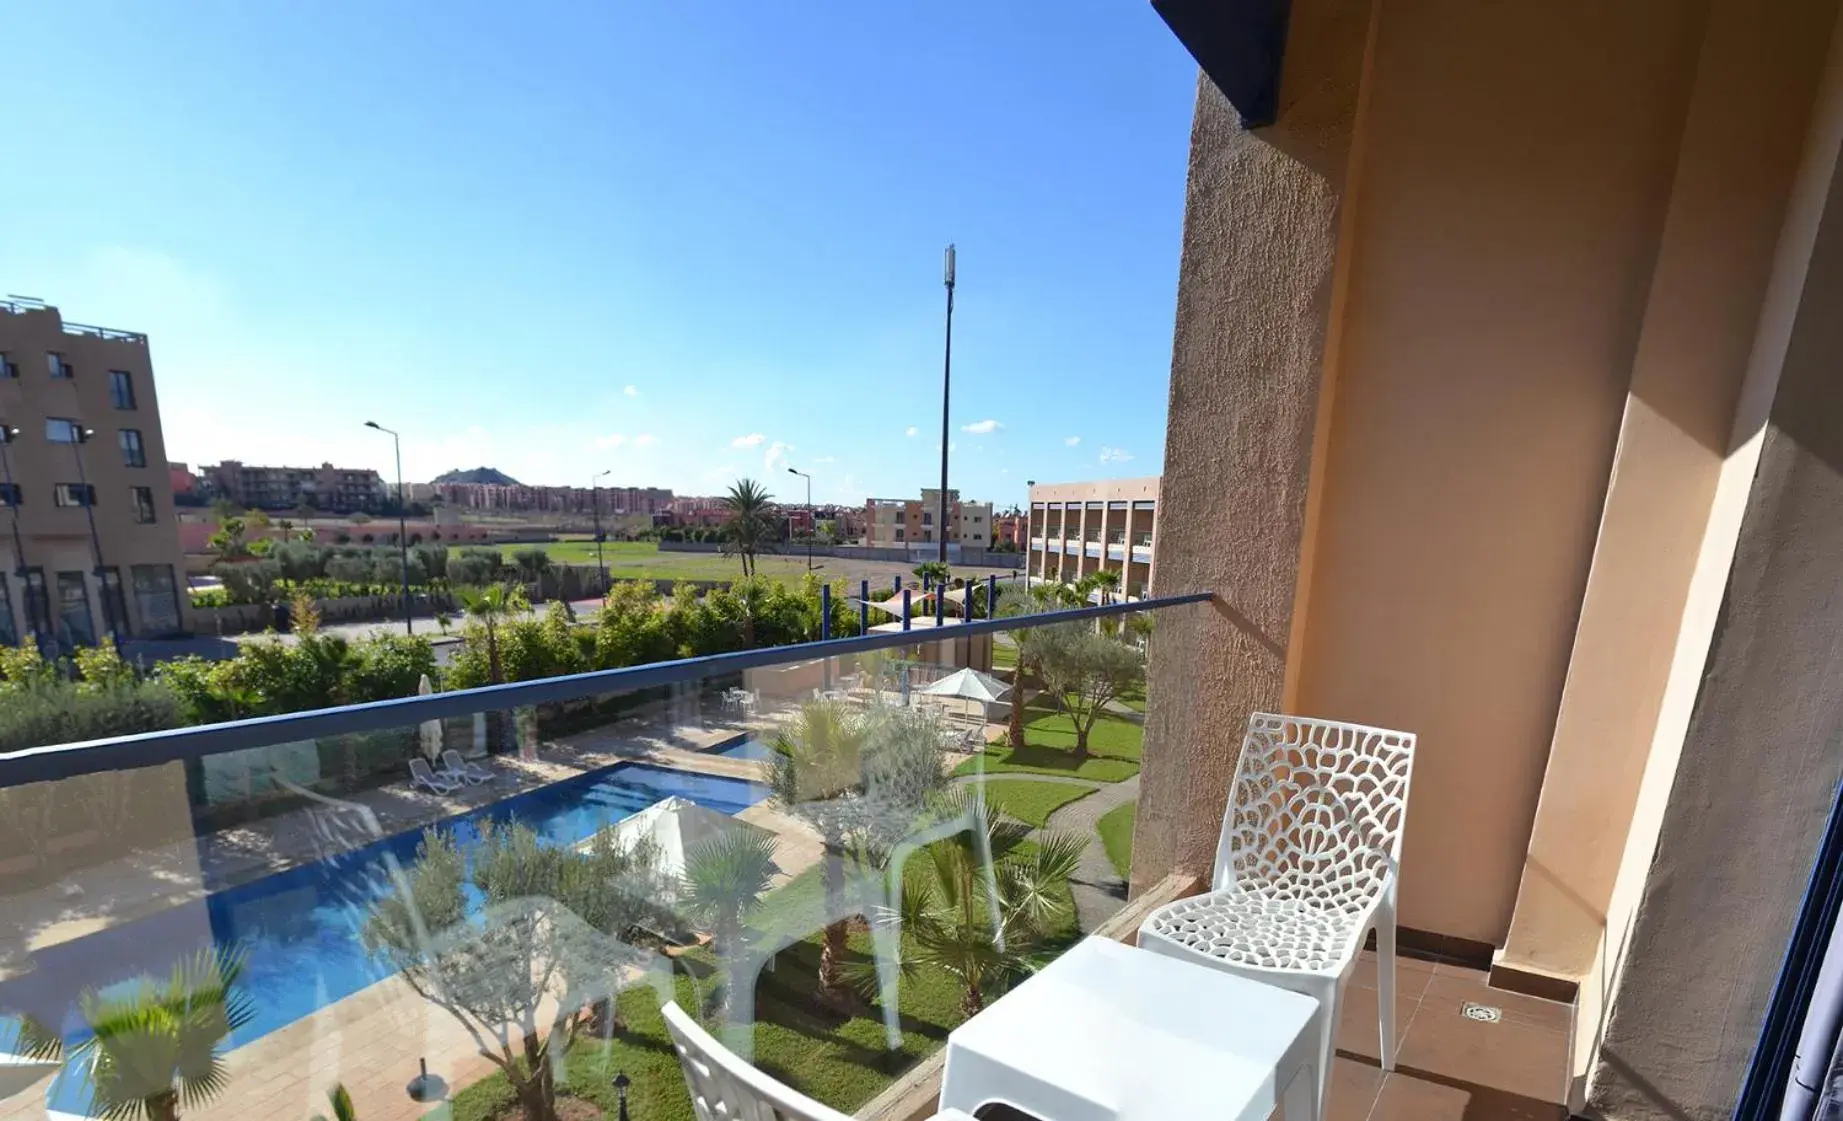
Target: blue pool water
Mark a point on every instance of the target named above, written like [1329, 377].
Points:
[746, 749]
[299, 929]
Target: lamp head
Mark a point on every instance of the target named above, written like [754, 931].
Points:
[374, 424]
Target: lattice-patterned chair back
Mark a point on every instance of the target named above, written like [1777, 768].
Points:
[1316, 811]
[725, 1088]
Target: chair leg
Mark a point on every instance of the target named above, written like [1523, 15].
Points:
[1385, 983]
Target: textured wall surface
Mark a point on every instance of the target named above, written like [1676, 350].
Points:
[1764, 750]
[1260, 242]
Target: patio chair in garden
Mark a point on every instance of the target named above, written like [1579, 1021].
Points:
[724, 1087]
[455, 768]
[421, 775]
[1306, 867]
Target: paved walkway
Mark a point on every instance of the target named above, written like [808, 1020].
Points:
[1097, 888]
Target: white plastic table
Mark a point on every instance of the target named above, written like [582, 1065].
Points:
[1108, 1032]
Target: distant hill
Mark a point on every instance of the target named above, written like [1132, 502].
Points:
[477, 475]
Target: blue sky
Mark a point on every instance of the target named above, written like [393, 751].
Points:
[685, 241]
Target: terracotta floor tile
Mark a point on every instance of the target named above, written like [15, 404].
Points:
[1510, 1056]
[1411, 975]
[1405, 1097]
[1357, 1028]
[1452, 987]
[1353, 1090]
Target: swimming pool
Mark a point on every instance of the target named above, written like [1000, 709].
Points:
[745, 748]
[299, 929]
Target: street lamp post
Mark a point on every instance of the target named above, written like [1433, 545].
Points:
[811, 525]
[8, 433]
[403, 529]
[111, 615]
[595, 498]
[1030, 509]
[946, 397]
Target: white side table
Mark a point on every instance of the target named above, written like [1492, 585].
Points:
[1108, 1032]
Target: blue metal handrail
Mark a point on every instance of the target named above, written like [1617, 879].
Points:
[44, 764]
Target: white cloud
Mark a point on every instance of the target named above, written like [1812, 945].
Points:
[1071, 441]
[981, 427]
[645, 440]
[631, 391]
[612, 441]
[825, 459]
[911, 430]
[1115, 455]
[749, 441]
[775, 461]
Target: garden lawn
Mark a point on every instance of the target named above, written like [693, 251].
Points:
[1116, 828]
[1113, 748]
[1004, 654]
[835, 1056]
[1032, 801]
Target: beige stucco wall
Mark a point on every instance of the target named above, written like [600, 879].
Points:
[1740, 778]
[1727, 207]
[1261, 227]
[1502, 244]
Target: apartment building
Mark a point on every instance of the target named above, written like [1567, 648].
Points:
[906, 523]
[84, 484]
[519, 498]
[1080, 528]
[338, 490]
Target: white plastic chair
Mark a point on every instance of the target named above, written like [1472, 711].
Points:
[1306, 867]
[724, 1088]
[422, 776]
[455, 768]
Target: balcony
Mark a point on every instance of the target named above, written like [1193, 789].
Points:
[293, 844]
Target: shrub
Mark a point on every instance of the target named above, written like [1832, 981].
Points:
[58, 712]
[388, 666]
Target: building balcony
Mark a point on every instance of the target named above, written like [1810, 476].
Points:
[288, 839]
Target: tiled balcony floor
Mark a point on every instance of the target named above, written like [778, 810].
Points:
[1449, 1067]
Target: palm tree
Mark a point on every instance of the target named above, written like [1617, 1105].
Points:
[751, 526]
[158, 1048]
[1105, 581]
[944, 917]
[492, 607]
[341, 1103]
[818, 764]
[724, 881]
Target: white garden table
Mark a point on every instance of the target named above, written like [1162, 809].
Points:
[1108, 1032]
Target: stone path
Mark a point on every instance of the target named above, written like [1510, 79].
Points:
[1097, 888]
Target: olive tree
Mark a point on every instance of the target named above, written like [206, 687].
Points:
[1087, 671]
[526, 973]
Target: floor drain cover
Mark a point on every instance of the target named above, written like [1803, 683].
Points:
[1483, 1013]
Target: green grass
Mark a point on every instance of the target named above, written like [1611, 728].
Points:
[1030, 801]
[839, 1057]
[1004, 654]
[1116, 828]
[1113, 748]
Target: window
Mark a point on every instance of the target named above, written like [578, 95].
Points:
[143, 504]
[927, 518]
[9, 634]
[76, 626]
[10, 494]
[898, 533]
[8, 368]
[62, 430]
[133, 453]
[54, 362]
[114, 603]
[38, 602]
[73, 494]
[157, 596]
[121, 389]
